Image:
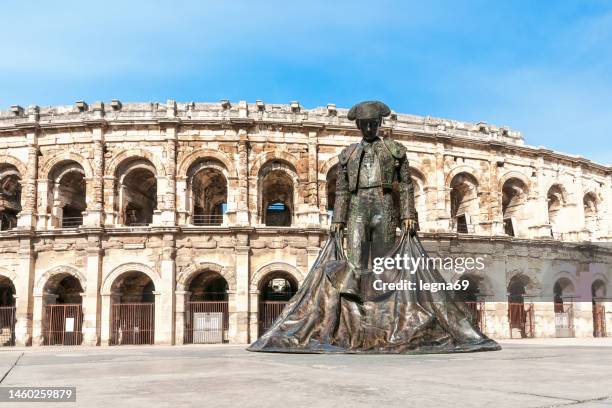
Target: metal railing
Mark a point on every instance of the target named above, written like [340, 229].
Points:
[269, 310]
[207, 219]
[520, 317]
[64, 325]
[599, 321]
[206, 322]
[478, 314]
[132, 323]
[72, 222]
[7, 326]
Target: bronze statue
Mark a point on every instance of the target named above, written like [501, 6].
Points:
[338, 308]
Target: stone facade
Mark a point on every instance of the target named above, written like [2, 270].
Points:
[135, 198]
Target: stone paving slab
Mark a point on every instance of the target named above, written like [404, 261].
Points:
[546, 374]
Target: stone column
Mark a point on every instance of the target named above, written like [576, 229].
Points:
[105, 316]
[540, 227]
[254, 315]
[183, 215]
[167, 206]
[442, 213]
[91, 298]
[242, 195]
[27, 216]
[165, 295]
[239, 318]
[110, 213]
[313, 178]
[24, 287]
[312, 250]
[95, 203]
[494, 205]
[182, 297]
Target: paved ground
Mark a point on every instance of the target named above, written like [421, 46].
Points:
[535, 373]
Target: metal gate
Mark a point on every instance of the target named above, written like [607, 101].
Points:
[269, 310]
[478, 314]
[520, 317]
[564, 319]
[7, 326]
[63, 325]
[599, 320]
[132, 323]
[206, 322]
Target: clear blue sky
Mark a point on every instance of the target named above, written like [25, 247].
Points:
[542, 67]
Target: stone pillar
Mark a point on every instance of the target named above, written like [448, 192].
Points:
[494, 204]
[168, 209]
[312, 199]
[254, 315]
[27, 217]
[91, 298]
[182, 297]
[105, 315]
[544, 318]
[183, 214]
[540, 227]
[442, 191]
[39, 316]
[242, 195]
[165, 295]
[95, 203]
[312, 250]
[24, 287]
[239, 317]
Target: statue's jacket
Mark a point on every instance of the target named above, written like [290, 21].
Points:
[394, 167]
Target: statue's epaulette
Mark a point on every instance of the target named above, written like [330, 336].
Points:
[397, 150]
[346, 153]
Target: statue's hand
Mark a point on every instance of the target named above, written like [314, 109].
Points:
[337, 227]
[409, 224]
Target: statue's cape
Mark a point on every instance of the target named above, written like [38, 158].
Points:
[320, 319]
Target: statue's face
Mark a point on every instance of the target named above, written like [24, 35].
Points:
[369, 128]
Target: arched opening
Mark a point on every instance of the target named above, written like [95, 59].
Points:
[277, 197]
[520, 312]
[589, 202]
[275, 291]
[10, 196]
[473, 299]
[67, 194]
[556, 201]
[464, 203]
[208, 188]
[207, 317]
[514, 197]
[137, 192]
[7, 312]
[132, 309]
[598, 292]
[563, 294]
[330, 183]
[62, 311]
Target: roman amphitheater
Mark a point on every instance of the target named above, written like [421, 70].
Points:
[174, 223]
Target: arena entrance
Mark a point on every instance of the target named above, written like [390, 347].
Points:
[564, 308]
[62, 311]
[7, 312]
[275, 291]
[132, 310]
[520, 313]
[206, 312]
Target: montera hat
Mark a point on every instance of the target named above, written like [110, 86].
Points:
[368, 110]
